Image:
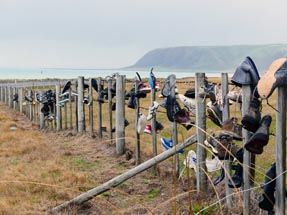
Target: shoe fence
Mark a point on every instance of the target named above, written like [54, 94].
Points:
[77, 112]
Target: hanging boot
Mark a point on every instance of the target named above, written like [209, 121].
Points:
[260, 138]
[252, 117]
[236, 179]
[275, 76]
[267, 199]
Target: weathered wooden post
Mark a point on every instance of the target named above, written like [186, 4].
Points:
[110, 84]
[280, 152]
[6, 95]
[81, 111]
[70, 108]
[58, 109]
[201, 136]
[246, 95]
[30, 106]
[20, 99]
[172, 79]
[35, 108]
[1, 93]
[225, 116]
[153, 126]
[120, 114]
[14, 102]
[137, 135]
[91, 111]
[100, 132]
[42, 118]
[76, 105]
[10, 97]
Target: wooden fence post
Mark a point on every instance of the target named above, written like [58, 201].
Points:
[280, 152]
[225, 116]
[100, 132]
[172, 79]
[81, 111]
[42, 119]
[70, 108]
[110, 84]
[91, 111]
[58, 109]
[246, 95]
[30, 106]
[153, 126]
[137, 135]
[201, 136]
[120, 115]
[20, 99]
[14, 102]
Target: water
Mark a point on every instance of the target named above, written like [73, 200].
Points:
[21, 73]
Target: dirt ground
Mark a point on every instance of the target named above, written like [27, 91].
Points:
[71, 164]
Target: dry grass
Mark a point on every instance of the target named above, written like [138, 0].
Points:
[41, 169]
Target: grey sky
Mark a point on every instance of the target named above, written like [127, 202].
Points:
[116, 33]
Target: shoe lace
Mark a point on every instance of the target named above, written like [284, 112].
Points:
[271, 106]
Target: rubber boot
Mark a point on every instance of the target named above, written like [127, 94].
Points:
[236, 179]
[267, 199]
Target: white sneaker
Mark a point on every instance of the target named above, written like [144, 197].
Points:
[152, 110]
[213, 164]
[141, 123]
[190, 161]
[188, 102]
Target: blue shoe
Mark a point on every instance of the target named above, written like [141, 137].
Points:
[152, 79]
[167, 144]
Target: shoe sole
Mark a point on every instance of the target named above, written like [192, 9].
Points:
[266, 82]
[214, 116]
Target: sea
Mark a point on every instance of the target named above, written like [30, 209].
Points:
[56, 73]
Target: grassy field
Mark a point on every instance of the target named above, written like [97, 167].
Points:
[42, 169]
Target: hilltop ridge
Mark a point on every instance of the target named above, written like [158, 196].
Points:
[211, 58]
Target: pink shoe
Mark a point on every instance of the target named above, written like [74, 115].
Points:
[147, 129]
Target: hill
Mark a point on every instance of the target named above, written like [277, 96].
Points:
[211, 58]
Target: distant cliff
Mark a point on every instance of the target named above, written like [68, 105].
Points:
[211, 58]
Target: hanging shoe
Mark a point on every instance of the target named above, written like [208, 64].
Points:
[191, 161]
[276, 76]
[260, 138]
[188, 102]
[220, 177]
[211, 143]
[213, 165]
[147, 129]
[167, 144]
[94, 84]
[67, 86]
[267, 199]
[142, 122]
[152, 79]
[246, 74]
[252, 117]
[132, 102]
[235, 96]
[126, 124]
[169, 83]
[215, 114]
[152, 110]
[158, 126]
[233, 128]
[190, 93]
[236, 179]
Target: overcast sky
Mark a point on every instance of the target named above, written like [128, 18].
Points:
[116, 33]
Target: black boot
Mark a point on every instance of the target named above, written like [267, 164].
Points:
[267, 199]
[236, 179]
[252, 117]
[260, 138]
[219, 178]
